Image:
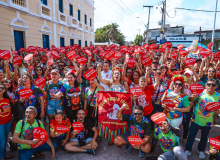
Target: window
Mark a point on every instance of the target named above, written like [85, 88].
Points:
[46, 42]
[19, 40]
[90, 22]
[61, 5]
[44, 2]
[71, 42]
[85, 43]
[79, 43]
[62, 42]
[71, 10]
[79, 15]
[90, 43]
[85, 19]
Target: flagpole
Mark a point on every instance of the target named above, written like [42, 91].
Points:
[213, 32]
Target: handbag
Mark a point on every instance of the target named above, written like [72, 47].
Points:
[157, 93]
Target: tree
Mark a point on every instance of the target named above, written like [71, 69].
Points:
[109, 32]
[138, 40]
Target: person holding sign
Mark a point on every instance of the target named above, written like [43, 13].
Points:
[60, 128]
[168, 137]
[203, 119]
[138, 126]
[214, 152]
[23, 135]
[83, 141]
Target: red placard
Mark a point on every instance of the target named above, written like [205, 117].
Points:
[25, 93]
[71, 54]
[21, 50]
[17, 60]
[109, 55]
[14, 52]
[146, 61]
[210, 44]
[95, 51]
[5, 54]
[87, 52]
[146, 46]
[55, 54]
[50, 61]
[136, 91]
[169, 44]
[43, 58]
[154, 46]
[180, 46]
[28, 57]
[212, 106]
[135, 140]
[82, 61]
[126, 58]
[90, 74]
[169, 103]
[32, 48]
[158, 118]
[62, 50]
[62, 129]
[31, 68]
[214, 143]
[40, 82]
[78, 126]
[204, 53]
[48, 53]
[163, 47]
[174, 55]
[196, 88]
[117, 55]
[131, 62]
[41, 134]
[130, 51]
[35, 53]
[216, 56]
[190, 62]
[183, 53]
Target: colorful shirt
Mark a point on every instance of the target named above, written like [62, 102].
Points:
[88, 95]
[52, 88]
[5, 111]
[27, 132]
[137, 128]
[167, 141]
[117, 88]
[180, 100]
[54, 124]
[163, 88]
[201, 116]
[218, 151]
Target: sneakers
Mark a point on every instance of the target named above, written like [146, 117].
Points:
[141, 153]
[90, 151]
[128, 148]
[187, 153]
[201, 155]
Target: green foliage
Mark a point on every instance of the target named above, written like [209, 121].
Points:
[111, 32]
[138, 40]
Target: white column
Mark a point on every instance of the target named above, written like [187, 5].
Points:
[54, 9]
[55, 34]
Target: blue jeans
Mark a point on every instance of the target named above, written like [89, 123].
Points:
[4, 131]
[186, 120]
[58, 141]
[192, 135]
[25, 154]
[53, 105]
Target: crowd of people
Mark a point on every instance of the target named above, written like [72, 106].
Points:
[69, 97]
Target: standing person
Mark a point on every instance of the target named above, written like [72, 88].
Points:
[23, 135]
[59, 120]
[176, 94]
[61, 69]
[106, 74]
[38, 72]
[203, 119]
[168, 137]
[7, 109]
[139, 126]
[8, 84]
[36, 99]
[83, 141]
[52, 87]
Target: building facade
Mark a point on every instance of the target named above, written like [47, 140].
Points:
[44, 23]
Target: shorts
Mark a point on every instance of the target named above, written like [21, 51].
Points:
[125, 137]
[76, 140]
[53, 105]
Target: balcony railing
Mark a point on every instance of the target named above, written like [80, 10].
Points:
[19, 4]
[86, 28]
[80, 26]
[44, 10]
[61, 17]
[73, 22]
[91, 30]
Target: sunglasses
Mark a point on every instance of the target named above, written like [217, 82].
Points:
[129, 72]
[163, 67]
[61, 65]
[39, 69]
[211, 71]
[211, 84]
[159, 73]
[2, 88]
[159, 55]
[155, 63]
[178, 84]
[66, 69]
[137, 114]
[9, 82]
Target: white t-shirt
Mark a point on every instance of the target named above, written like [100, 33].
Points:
[107, 75]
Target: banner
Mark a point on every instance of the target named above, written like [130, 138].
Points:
[108, 105]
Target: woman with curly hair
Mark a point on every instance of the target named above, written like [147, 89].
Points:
[176, 94]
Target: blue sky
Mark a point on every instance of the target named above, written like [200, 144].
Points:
[118, 13]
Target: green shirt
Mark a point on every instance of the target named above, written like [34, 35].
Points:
[201, 116]
[27, 132]
[137, 128]
[167, 141]
[52, 88]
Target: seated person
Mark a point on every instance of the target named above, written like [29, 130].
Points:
[59, 120]
[139, 126]
[23, 135]
[83, 141]
[169, 142]
[214, 153]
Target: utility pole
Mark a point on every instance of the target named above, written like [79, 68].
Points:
[148, 20]
[200, 34]
[164, 16]
[139, 31]
[213, 32]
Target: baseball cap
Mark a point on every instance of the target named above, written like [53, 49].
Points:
[189, 72]
[55, 71]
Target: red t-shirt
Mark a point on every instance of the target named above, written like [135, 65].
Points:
[145, 100]
[5, 111]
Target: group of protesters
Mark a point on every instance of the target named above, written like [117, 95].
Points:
[69, 96]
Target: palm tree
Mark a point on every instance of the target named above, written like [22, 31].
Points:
[112, 31]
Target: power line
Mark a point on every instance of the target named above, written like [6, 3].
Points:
[196, 10]
[122, 8]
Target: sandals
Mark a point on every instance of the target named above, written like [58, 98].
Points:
[184, 142]
[9, 156]
[99, 139]
[39, 155]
